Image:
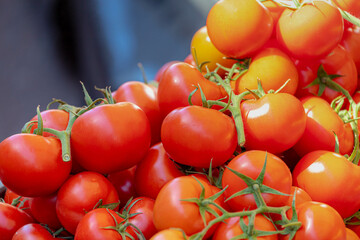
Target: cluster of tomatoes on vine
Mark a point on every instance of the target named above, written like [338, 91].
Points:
[254, 135]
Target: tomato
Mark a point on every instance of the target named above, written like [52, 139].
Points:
[190, 60]
[273, 68]
[355, 229]
[339, 62]
[178, 81]
[223, 23]
[250, 163]
[230, 228]
[351, 235]
[80, 194]
[145, 97]
[32, 165]
[124, 183]
[189, 136]
[11, 219]
[52, 118]
[32, 231]
[314, 38]
[351, 42]
[95, 225]
[143, 220]
[275, 10]
[274, 123]
[43, 210]
[111, 137]
[154, 171]
[351, 6]
[321, 124]
[206, 52]
[161, 71]
[23, 204]
[169, 234]
[171, 212]
[323, 175]
[319, 222]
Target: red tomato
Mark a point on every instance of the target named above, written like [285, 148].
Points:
[273, 68]
[190, 60]
[314, 38]
[154, 171]
[321, 123]
[355, 229]
[124, 183]
[43, 210]
[223, 23]
[230, 228]
[274, 123]
[53, 118]
[351, 42]
[10, 196]
[250, 163]
[339, 62]
[143, 207]
[171, 212]
[319, 222]
[351, 6]
[323, 175]
[93, 226]
[196, 136]
[11, 219]
[161, 71]
[32, 231]
[178, 81]
[169, 234]
[31, 165]
[351, 235]
[111, 137]
[206, 52]
[80, 194]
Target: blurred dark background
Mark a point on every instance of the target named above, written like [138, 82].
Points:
[48, 46]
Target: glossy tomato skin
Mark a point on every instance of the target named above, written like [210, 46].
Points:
[169, 234]
[80, 194]
[144, 96]
[351, 235]
[160, 72]
[171, 212]
[43, 210]
[143, 207]
[231, 228]
[53, 118]
[154, 171]
[178, 81]
[32, 231]
[274, 123]
[323, 175]
[124, 183]
[11, 219]
[32, 165]
[319, 222]
[351, 6]
[321, 123]
[250, 163]
[223, 23]
[10, 196]
[93, 225]
[351, 42]
[189, 135]
[314, 38]
[111, 137]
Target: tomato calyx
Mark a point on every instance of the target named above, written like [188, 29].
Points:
[353, 220]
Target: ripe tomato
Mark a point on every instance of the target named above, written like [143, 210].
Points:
[206, 51]
[190, 135]
[53, 118]
[10, 196]
[11, 219]
[351, 235]
[351, 42]
[321, 123]
[250, 163]
[145, 97]
[351, 6]
[111, 137]
[170, 211]
[43, 209]
[169, 234]
[161, 71]
[31, 165]
[274, 123]
[154, 171]
[230, 228]
[223, 23]
[319, 222]
[190, 60]
[355, 229]
[124, 183]
[80, 194]
[32, 231]
[314, 38]
[178, 81]
[273, 68]
[323, 175]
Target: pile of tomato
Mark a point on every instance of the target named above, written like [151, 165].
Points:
[255, 135]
